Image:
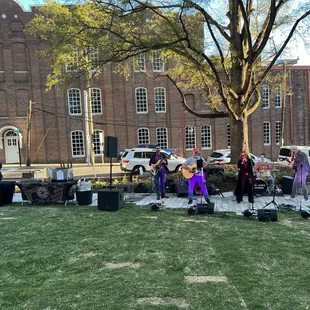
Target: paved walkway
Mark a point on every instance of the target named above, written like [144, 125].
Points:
[227, 203]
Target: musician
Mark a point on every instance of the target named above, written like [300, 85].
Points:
[263, 170]
[245, 177]
[302, 168]
[197, 177]
[159, 163]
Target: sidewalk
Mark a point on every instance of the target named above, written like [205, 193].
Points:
[227, 203]
[40, 170]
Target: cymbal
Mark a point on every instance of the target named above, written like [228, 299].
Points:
[275, 170]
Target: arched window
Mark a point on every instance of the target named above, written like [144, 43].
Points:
[141, 100]
[190, 137]
[77, 143]
[160, 99]
[96, 103]
[143, 136]
[162, 137]
[206, 137]
[266, 129]
[74, 101]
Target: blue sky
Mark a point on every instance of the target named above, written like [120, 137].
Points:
[27, 3]
[300, 51]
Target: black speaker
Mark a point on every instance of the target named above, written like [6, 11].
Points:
[181, 189]
[7, 189]
[305, 214]
[205, 208]
[287, 184]
[270, 215]
[110, 146]
[110, 199]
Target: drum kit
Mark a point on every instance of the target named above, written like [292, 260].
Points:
[263, 184]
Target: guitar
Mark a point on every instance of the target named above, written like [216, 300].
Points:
[155, 167]
[188, 174]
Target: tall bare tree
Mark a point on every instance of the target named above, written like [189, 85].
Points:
[224, 48]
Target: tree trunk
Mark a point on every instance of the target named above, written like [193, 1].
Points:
[238, 137]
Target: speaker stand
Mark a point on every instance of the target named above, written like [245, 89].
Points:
[111, 172]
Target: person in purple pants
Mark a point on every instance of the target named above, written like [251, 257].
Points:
[197, 161]
[302, 168]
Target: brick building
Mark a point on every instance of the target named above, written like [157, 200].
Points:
[135, 110]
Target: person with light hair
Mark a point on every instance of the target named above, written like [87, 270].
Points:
[301, 166]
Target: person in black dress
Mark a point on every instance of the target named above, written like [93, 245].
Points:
[245, 177]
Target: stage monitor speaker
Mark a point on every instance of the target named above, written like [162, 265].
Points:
[110, 199]
[305, 214]
[205, 208]
[287, 184]
[110, 146]
[181, 189]
[269, 215]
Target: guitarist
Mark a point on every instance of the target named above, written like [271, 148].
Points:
[301, 166]
[197, 175]
[159, 163]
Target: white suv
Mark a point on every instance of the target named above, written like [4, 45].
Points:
[137, 158]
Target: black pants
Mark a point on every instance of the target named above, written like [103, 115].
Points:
[243, 186]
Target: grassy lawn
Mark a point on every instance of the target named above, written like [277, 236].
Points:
[57, 257]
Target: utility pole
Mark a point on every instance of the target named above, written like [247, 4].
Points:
[28, 140]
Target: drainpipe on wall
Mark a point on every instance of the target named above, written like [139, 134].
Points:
[87, 136]
[291, 110]
[308, 112]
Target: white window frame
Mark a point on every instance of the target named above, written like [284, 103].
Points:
[160, 100]
[265, 96]
[143, 131]
[162, 137]
[73, 67]
[206, 137]
[266, 133]
[277, 96]
[74, 142]
[278, 126]
[95, 102]
[141, 102]
[158, 64]
[139, 64]
[77, 105]
[93, 57]
[190, 137]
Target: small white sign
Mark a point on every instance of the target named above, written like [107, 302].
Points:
[60, 175]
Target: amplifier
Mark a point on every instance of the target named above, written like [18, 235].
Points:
[110, 199]
[269, 215]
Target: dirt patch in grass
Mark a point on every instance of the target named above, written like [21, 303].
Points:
[122, 265]
[205, 279]
[157, 301]
[196, 221]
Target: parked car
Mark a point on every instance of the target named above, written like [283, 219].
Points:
[153, 146]
[223, 157]
[284, 156]
[137, 158]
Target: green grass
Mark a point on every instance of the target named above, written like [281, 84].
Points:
[57, 257]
